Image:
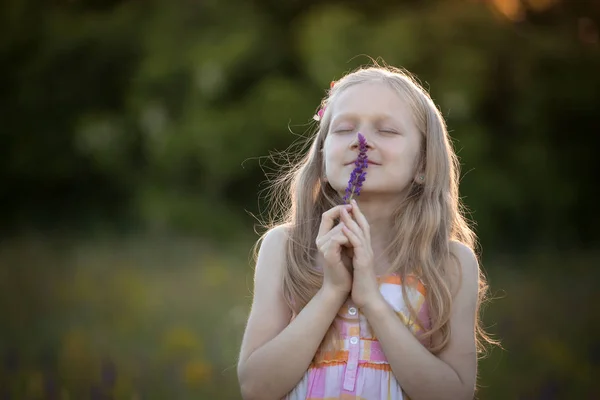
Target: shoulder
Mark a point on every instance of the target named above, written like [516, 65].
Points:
[460, 349]
[463, 268]
[275, 238]
[269, 313]
[272, 245]
[465, 256]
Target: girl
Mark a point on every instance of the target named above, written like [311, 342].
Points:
[378, 298]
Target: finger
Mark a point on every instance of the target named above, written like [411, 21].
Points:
[352, 237]
[322, 240]
[328, 218]
[361, 220]
[333, 248]
[352, 225]
[339, 240]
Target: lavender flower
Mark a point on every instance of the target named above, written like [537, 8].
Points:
[357, 177]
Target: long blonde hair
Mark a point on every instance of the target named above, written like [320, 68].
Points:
[425, 223]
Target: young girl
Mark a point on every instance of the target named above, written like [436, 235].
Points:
[378, 298]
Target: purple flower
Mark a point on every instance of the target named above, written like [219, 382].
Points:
[357, 177]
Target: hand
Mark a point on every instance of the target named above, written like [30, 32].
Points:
[365, 288]
[330, 242]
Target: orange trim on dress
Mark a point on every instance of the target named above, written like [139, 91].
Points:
[377, 366]
[411, 280]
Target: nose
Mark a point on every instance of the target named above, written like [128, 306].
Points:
[355, 142]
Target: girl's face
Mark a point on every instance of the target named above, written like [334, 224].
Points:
[393, 140]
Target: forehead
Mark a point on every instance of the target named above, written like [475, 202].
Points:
[372, 99]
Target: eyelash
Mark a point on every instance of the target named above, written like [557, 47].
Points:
[380, 130]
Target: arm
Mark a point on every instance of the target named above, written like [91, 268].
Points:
[275, 353]
[450, 375]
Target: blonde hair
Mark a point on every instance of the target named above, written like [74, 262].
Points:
[431, 215]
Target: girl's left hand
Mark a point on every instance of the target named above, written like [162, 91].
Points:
[365, 288]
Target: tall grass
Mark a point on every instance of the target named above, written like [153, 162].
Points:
[162, 318]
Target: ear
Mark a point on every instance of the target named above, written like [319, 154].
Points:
[323, 171]
[419, 178]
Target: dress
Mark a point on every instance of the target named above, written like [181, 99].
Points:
[360, 370]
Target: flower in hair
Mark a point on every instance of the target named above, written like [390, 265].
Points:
[319, 115]
[357, 177]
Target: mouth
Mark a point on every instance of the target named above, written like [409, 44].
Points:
[368, 162]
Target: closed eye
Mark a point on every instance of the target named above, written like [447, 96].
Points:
[389, 131]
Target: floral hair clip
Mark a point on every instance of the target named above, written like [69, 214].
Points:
[319, 115]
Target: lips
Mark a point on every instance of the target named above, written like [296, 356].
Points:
[368, 161]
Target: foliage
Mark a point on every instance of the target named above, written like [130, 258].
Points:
[154, 115]
[152, 318]
[133, 144]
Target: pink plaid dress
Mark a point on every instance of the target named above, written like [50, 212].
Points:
[360, 370]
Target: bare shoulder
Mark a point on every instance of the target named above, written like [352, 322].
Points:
[272, 248]
[275, 237]
[271, 260]
[460, 353]
[269, 313]
[463, 270]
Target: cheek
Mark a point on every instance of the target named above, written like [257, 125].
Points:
[406, 158]
[332, 155]
[328, 166]
[409, 153]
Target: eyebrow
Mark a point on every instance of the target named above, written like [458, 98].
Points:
[376, 117]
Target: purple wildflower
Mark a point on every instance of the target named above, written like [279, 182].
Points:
[357, 177]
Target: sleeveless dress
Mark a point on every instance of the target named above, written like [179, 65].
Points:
[360, 370]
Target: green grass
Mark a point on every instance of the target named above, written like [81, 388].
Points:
[165, 317]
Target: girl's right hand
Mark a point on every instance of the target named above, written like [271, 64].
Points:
[330, 241]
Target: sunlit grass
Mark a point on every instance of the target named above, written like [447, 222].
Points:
[162, 318]
[167, 319]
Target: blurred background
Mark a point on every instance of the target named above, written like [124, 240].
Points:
[134, 139]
